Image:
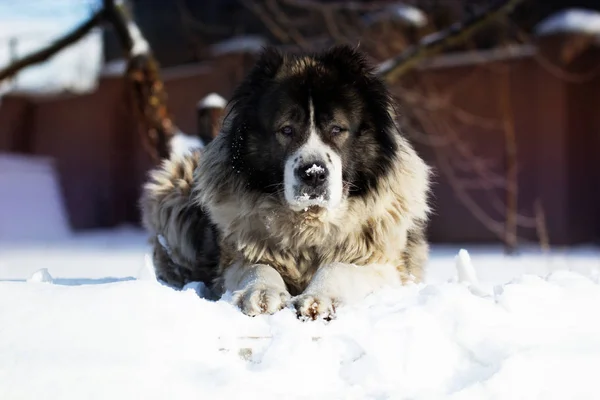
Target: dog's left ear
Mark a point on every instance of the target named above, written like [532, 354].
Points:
[347, 60]
[353, 66]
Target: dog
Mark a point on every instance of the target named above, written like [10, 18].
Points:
[310, 195]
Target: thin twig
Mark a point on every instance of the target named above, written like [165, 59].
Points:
[430, 45]
[293, 33]
[269, 22]
[542, 228]
[510, 152]
[337, 6]
[58, 45]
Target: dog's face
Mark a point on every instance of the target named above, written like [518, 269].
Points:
[313, 130]
[312, 174]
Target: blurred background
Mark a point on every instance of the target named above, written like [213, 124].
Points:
[508, 117]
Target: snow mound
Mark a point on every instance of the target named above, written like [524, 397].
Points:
[574, 20]
[466, 272]
[535, 338]
[31, 204]
[42, 276]
[147, 272]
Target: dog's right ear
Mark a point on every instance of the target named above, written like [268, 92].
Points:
[266, 67]
[262, 73]
[348, 61]
[268, 63]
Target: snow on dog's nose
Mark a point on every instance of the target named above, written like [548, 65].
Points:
[313, 174]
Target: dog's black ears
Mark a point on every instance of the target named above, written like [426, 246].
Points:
[347, 59]
[261, 74]
[268, 63]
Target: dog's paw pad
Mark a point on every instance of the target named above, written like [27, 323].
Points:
[309, 306]
[256, 300]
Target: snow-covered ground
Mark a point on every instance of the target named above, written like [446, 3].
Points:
[529, 330]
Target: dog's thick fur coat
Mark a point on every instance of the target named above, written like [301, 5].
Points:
[219, 215]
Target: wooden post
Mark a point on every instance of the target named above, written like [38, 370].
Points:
[209, 112]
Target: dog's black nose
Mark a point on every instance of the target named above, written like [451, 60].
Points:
[312, 174]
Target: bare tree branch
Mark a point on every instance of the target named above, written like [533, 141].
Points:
[269, 22]
[510, 153]
[143, 73]
[189, 20]
[292, 31]
[116, 16]
[47, 52]
[341, 5]
[432, 44]
[542, 228]
[148, 89]
[455, 159]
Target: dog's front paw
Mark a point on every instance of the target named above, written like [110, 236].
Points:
[260, 299]
[313, 306]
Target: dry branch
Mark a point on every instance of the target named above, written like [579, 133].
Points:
[116, 16]
[266, 19]
[542, 228]
[336, 6]
[59, 44]
[430, 45]
[148, 89]
[510, 153]
[454, 158]
[293, 33]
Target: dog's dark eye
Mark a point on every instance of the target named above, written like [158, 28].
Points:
[336, 130]
[287, 130]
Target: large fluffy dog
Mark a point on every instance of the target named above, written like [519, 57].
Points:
[310, 191]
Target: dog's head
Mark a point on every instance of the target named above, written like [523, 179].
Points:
[313, 130]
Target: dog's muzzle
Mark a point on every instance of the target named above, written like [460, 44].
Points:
[313, 180]
[313, 177]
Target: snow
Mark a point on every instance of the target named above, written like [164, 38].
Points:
[115, 67]
[309, 200]
[182, 144]
[98, 332]
[239, 44]
[465, 269]
[409, 15]
[212, 100]
[140, 45]
[573, 20]
[24, 180]
[42, 276]
[403, 13]
[163, 242]
[315, 169]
